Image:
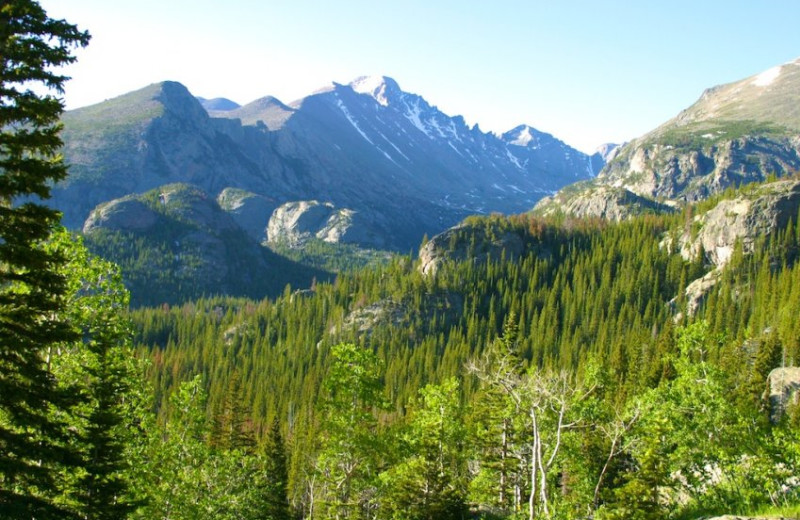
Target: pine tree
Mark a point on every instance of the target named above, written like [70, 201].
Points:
[32, 443]
[231, 429]
[277, 475]
[99, 368]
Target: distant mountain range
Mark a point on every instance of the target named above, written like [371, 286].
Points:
[369, 165]
[388, 156]
[741, 132]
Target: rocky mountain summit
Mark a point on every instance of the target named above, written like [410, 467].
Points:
[388, 156]
[734, 134]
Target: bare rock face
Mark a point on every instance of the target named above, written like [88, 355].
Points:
[598, 200]
[176, 243]
[296, 222]
[664, 171]
[747, 217]
[250, 210]
[697, 291]
[363, 320]
[783, 385]
[753, 214]
[388, 312]
[125, 214]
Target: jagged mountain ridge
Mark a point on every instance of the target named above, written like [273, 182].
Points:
[405, 166]
[735, 134]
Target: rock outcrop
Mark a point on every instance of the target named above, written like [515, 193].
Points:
[745, 218]
[294, 223]
[125, 214]
[752, 214]
[590, 199]
[387, 312]
[654, 167]
[175, 243]
[465, 242]
[249, 210]
[783, 385]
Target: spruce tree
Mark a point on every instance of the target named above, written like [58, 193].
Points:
[32, 443]
[277, 475]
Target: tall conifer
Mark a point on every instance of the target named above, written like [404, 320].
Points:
[32, 443]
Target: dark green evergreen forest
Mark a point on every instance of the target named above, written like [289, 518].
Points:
[582, 331]
[571, 378]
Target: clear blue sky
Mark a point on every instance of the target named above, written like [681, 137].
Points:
[587, 72]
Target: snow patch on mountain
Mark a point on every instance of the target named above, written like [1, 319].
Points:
[767, 77]
[350, 118]
[394, 146]
[513, 159]
[413, 111]
[374, 86]
[524, 138]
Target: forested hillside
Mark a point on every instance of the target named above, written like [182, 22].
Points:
[522, 367]
[573, 364]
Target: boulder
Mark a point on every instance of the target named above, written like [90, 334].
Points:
[783, 385]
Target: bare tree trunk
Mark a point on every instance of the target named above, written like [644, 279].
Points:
[518, 485]
[534, 465]
[596, 498]
[542, 476]
[503, 456]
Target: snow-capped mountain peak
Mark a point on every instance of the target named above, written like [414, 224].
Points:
[522, 135]
[381, 88]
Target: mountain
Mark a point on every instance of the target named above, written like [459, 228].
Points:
[176, 243]
[388, 156]
[540, 151]
[607, 151]
[741, 132]
[218, 104]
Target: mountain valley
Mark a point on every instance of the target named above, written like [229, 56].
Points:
[354, 306]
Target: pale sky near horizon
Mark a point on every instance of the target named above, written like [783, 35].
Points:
[586, 72]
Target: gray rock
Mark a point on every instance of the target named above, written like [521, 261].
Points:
[249, 210]
[650, 168]
[747, 217]
[590, 199]
[783, 385]
[387, 312]
[697, 290]
[294, 223]
[126, 214]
